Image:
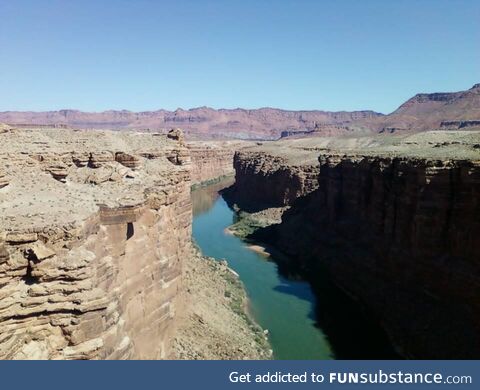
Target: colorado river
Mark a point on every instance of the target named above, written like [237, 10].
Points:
[285, 307]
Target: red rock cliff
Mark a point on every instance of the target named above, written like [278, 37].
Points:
[400, 235]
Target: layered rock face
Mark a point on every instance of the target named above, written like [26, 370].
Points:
[398, 233]
[210, 162]
[264, 180]
[213, 160]
[427, 111]
[198, 123]
[93, 230]
[424, 111]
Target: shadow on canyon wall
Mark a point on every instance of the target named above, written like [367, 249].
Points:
[400, 243]
[351, 331]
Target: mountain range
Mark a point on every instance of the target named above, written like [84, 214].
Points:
[424, 111]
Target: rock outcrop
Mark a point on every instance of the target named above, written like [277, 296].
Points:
[397, 232]
[91, 269]
[128, 160]
[457, 125]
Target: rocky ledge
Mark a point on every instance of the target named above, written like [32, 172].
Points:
[95, 247]
[93, 230]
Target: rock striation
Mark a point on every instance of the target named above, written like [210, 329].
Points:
[3, 180]
[395, 231]
[264, 180]
[422, 112]
[197, 123]
[92, 237]
[213, 160]
[426, 111]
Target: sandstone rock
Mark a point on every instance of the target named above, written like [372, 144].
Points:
[128, 160]
[81, 159]
[5, 128]
[212, 161]
[4, 256]
[58, 170]
[97, 159]
[40, 251]
[72, 284]
[277, 182]
[398, 233]
[107, 172]
[176, 134]
[3, 180]
[21, 238]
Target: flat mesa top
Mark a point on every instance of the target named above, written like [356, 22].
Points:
[65, 140]
[438, 145]
[56, 177]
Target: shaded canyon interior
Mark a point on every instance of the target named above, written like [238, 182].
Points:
[395, 231]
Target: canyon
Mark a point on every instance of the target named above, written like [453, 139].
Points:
[95, 249]
[391, 221]
[377, 212]
[97, 259]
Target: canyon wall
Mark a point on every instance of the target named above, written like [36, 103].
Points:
[210, 162]
[399, 234]
[263, 180]
[93, 231]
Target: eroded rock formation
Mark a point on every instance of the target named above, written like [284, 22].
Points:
[397, 232]
[90, 268]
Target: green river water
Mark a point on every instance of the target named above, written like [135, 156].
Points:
[285, 307]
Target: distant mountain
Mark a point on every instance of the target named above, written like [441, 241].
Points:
[202, 122]
[447, 110]
[424, 111]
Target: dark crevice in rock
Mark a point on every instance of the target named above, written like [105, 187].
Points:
[130, 230]
[29, 279]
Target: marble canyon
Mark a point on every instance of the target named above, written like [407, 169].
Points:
[376, 216]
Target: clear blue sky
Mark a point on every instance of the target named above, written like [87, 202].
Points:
[145, 55]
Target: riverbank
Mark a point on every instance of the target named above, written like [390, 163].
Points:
[211, 182]
[215, 324]
[246, 223]
[282, 305]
